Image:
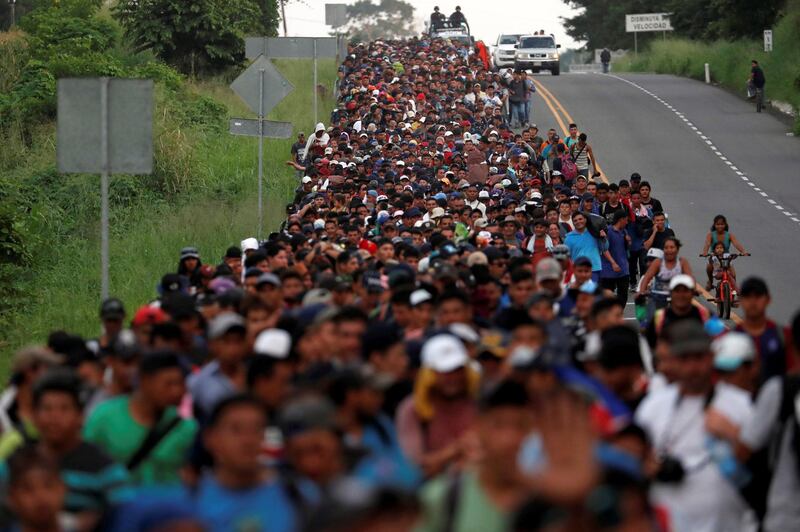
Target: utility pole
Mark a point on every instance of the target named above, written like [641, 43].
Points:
[13, 5]
[283, 18]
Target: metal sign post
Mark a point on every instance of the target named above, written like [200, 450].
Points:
[104, 254]
[647, 22]
[315, 81]
[260, 152]
[105, 126]
[272, 89]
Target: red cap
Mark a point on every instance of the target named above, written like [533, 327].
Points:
[420, 96]
[148, 314]
[369, 245]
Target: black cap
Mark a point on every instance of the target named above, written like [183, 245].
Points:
[112, 309]
[754, 286]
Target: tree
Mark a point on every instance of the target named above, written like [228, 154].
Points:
[199, 36]
[388, 19]
[601, 23]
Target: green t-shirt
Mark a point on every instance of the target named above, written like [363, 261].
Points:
[112, 427]
[474, 512]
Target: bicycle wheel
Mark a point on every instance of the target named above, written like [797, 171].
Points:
[720, 307]
[725, 301]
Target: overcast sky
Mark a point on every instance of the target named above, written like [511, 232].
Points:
[487, 19]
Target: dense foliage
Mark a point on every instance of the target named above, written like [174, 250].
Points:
[198, 37]
[386, 19]
[601, 23]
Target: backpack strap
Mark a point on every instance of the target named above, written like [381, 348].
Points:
[451, 498]
[153, 438]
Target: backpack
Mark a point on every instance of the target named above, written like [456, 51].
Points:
[762, 463]
[568, 168]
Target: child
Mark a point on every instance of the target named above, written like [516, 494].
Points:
[715, 268]
[35, 491]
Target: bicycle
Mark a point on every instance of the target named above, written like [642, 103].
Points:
[759, 99]
[723, 288]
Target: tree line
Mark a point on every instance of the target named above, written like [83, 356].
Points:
[601, 23]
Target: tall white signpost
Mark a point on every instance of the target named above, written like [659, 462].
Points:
[767, 40]
[646, 22]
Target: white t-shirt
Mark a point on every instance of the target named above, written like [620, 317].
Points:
[705, 501]
[783, 508]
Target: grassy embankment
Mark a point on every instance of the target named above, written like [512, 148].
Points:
[213, 206]
[730, 61]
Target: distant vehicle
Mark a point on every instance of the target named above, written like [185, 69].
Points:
[537, 53]
[454, 33]
[504, 50]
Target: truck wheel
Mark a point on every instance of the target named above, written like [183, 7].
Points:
[556, 71]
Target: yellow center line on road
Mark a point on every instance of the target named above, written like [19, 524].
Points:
[548, 97]
[555, 106]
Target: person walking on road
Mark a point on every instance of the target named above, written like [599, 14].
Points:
[517, 98]
[757, 80]
[605, 59]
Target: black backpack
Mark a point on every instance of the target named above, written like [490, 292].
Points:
[763, 462]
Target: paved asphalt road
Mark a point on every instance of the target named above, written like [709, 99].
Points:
[632, 131]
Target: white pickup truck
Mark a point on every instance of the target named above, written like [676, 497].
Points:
[504, 50]
[537, 53]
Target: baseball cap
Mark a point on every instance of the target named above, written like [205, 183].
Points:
[148, 314]
[731, 350]
[275, 343]
[687, 337]
[125, 346]
[548, 270]
[560, 251]
[189, 253]
[753, 286]
[225, 323]
[33, 356]
[444, 353]
[419, 297]
[655, 253]
[249, 244]
[371, 280]
[268, 278]
[112, 309]
[306, 179]
[681, 280]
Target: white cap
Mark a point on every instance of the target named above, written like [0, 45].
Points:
[319, 223]
[682, 280]
[444, 353]
[275, 343]
[437, 212]
[483, 194]
[305, 180]
[465, 332]
[320, 127]
[655, 253]
[400, 163]
[506, 183]
[732, 349]
[249, 244]
[419, 296]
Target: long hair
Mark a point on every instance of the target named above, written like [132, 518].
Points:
[718, 218]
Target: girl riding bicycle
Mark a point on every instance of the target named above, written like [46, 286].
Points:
[720, 233]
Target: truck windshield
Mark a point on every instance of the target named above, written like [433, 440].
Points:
[508, 39]
[537, 42]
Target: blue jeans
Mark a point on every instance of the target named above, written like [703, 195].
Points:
[518, 110]
[528, 106]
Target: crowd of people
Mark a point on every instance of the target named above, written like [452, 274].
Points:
[435, 339]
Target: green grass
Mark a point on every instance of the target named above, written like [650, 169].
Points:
[215, 209]
[730, 61]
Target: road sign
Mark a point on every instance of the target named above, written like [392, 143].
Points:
[335, 15]
[276, 87]
[648, 22]
[105, 126]
[271, 130]
[290, 47]
[129, 108]
[767, 40]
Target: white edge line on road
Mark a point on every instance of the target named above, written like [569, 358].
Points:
[705, 138]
